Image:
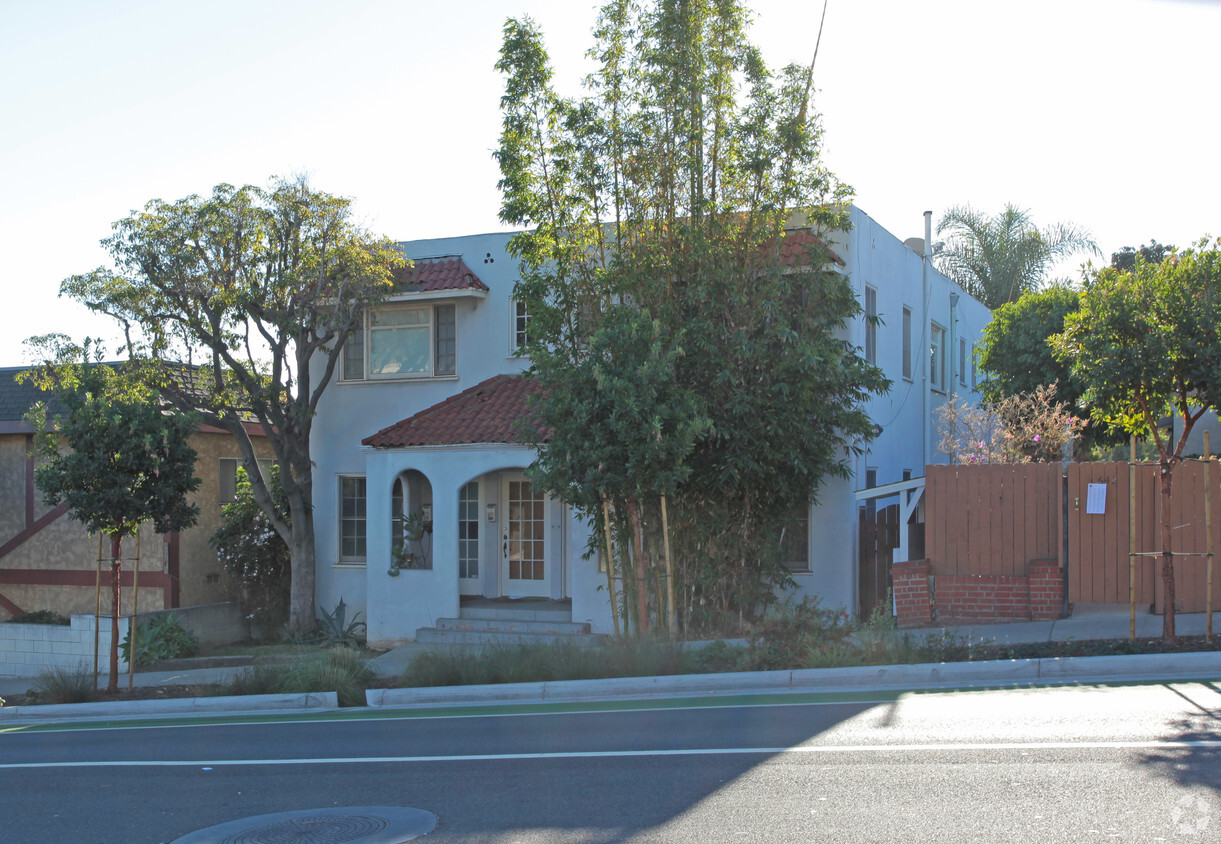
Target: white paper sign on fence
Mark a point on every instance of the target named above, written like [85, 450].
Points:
[1096, 499]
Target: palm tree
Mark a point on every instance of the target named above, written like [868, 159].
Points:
[997, 259]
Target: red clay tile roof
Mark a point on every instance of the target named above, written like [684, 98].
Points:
[430, 274]
[489, 412]
[795, 247]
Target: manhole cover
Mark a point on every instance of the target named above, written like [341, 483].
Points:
[347, 825]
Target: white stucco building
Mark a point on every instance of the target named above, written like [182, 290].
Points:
[421, 418]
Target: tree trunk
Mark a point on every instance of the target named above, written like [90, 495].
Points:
[116, 567]
[301, 611]
[642, 595]
[1167, 558]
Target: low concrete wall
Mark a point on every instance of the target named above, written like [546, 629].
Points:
[26, 649]
[212, 624]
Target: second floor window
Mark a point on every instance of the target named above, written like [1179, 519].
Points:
[403, 341]
[521, 324]
[936, 358]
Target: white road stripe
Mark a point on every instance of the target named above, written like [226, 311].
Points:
[613, 754]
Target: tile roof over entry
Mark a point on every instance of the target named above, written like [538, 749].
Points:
[431, 274]
[489, 412]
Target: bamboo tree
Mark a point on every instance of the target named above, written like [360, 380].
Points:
[689, 352]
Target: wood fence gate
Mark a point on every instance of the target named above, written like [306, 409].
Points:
[879, 537]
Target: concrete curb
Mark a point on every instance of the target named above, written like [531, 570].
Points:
[874, 677]
[174, 706]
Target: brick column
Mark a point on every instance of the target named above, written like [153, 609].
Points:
[911, 587]
[1046, 589]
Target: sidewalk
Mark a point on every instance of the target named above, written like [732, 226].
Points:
[1087, 622]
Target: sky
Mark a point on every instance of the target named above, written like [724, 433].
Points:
[1097, 112]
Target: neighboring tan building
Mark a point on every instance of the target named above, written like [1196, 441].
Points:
[49, 562]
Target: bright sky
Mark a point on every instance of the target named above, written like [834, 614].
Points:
[1099, 112]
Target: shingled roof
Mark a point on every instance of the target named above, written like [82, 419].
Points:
[489, 412]
[427, 275]
[17, 399]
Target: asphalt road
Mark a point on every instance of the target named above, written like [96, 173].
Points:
[1135, 763]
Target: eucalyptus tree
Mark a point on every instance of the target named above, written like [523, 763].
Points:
[997, 259]
[235, 306]
[687, 188]
[117, 461]
[1146, 343]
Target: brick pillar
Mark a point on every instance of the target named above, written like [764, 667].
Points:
[911, 587]
[1046, 589]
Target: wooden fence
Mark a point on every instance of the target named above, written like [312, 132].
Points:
[991, 519]
[998, 519]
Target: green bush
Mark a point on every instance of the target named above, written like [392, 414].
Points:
[339, 670]
[161, 637]
[40, 617]
[791, 634]
[258, 680]
[63, 684]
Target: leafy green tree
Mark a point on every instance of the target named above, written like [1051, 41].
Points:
[235, 306]
[117, 460]
[1147, 343]
[678, 220]
[997, 259]
[1014, 352]
[1151, 253]
[255, 556]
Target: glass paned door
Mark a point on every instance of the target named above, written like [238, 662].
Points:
[469, 582]
[523, 545]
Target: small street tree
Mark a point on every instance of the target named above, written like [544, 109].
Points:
[235, 306]
[679, 224]
[1145, 344]
[117, 460]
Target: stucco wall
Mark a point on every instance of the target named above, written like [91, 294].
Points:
[351, 411]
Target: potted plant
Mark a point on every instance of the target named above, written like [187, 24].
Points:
[411, 552]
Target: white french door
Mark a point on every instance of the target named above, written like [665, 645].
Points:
[523, 546]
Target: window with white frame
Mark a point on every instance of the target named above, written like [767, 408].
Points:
[871, 324]
[962, 362]
[519, 333]
[907, 343]
[936, 357]
[352, 547]
[402, 341]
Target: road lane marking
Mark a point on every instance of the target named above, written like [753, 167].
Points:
[620, 754]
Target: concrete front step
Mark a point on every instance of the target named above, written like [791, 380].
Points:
[433, 635]
[517, 613]
[513, 625]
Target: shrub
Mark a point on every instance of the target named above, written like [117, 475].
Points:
[339, 670]
[40, 617]
[790, 634]
[254, 555]
[161, 637]
[258, 680]
[335, 629]
[64, 684]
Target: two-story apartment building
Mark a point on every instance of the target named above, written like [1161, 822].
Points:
[422, 421]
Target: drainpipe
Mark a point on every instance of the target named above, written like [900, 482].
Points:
[924, 328]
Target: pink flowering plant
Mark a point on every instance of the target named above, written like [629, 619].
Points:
[1023, 428]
